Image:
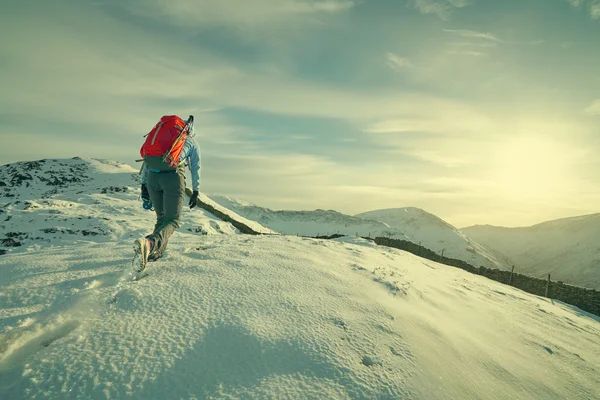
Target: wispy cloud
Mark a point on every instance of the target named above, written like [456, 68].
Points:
[234, 13]
[396, 62]
[474, 35]
[441, 8]
[473, 44]
[328, 6]
[449, 119]
[468, 53]
[593, 109]
[439, 158]
[593, 6]
[595, 10]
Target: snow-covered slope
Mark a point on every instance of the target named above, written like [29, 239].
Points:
[435, 234]
[75, 201]
[230, 316]
[568, 248]
[309, 223]
[256, 227]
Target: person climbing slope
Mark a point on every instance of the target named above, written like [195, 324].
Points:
[168, 148]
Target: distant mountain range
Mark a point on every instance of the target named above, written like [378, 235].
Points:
[309, 223]
[411, 224]
[436, 234]
[568, 248]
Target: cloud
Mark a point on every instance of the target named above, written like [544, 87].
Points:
[239, 14]
[595, 10]
[473, 44]
[474, 35]
[439, 158]
[396, 62]
[441, 8]
[593, 109]
[468, 53]
[444, 120]
[593, 7]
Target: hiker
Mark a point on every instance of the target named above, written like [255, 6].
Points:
[168, 148]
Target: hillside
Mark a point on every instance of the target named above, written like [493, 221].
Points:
[225, 315]
[76, 201]
[309, 223]
[436, 234]
[566, 248]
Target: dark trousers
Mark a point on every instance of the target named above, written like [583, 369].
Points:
[167, 191]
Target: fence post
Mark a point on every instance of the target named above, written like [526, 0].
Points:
[442, 256]
[511, 276]
[547, 286]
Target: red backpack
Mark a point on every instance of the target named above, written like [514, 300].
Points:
[164, 143]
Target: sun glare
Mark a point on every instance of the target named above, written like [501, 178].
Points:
[530, 167]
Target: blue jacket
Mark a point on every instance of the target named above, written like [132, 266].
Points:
[190, 154]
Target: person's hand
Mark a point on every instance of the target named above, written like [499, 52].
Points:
[145, 194]
[146, 202]
[194, 199]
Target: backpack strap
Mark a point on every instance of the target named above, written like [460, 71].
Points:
[160, 124]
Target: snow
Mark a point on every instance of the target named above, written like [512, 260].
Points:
[309, 223]
[409, 223]
[437, 235]
[566, 248]
[256, 227]
[229, 316]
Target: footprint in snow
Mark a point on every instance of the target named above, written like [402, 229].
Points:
[16, 347]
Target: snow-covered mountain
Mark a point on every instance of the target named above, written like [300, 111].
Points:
[309, 223]
[409, 223]
[436, 234]
[567, 248]
[73, 201]
[225, 315]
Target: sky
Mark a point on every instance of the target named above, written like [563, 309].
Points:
[478, 111]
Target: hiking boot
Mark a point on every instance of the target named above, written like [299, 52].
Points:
[142, 248]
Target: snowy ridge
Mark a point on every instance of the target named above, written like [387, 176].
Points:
[225, 315]
[566, 248]
[57, 202]
[411, 224]
[436, 234]
[256, 227]
[309, 223]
